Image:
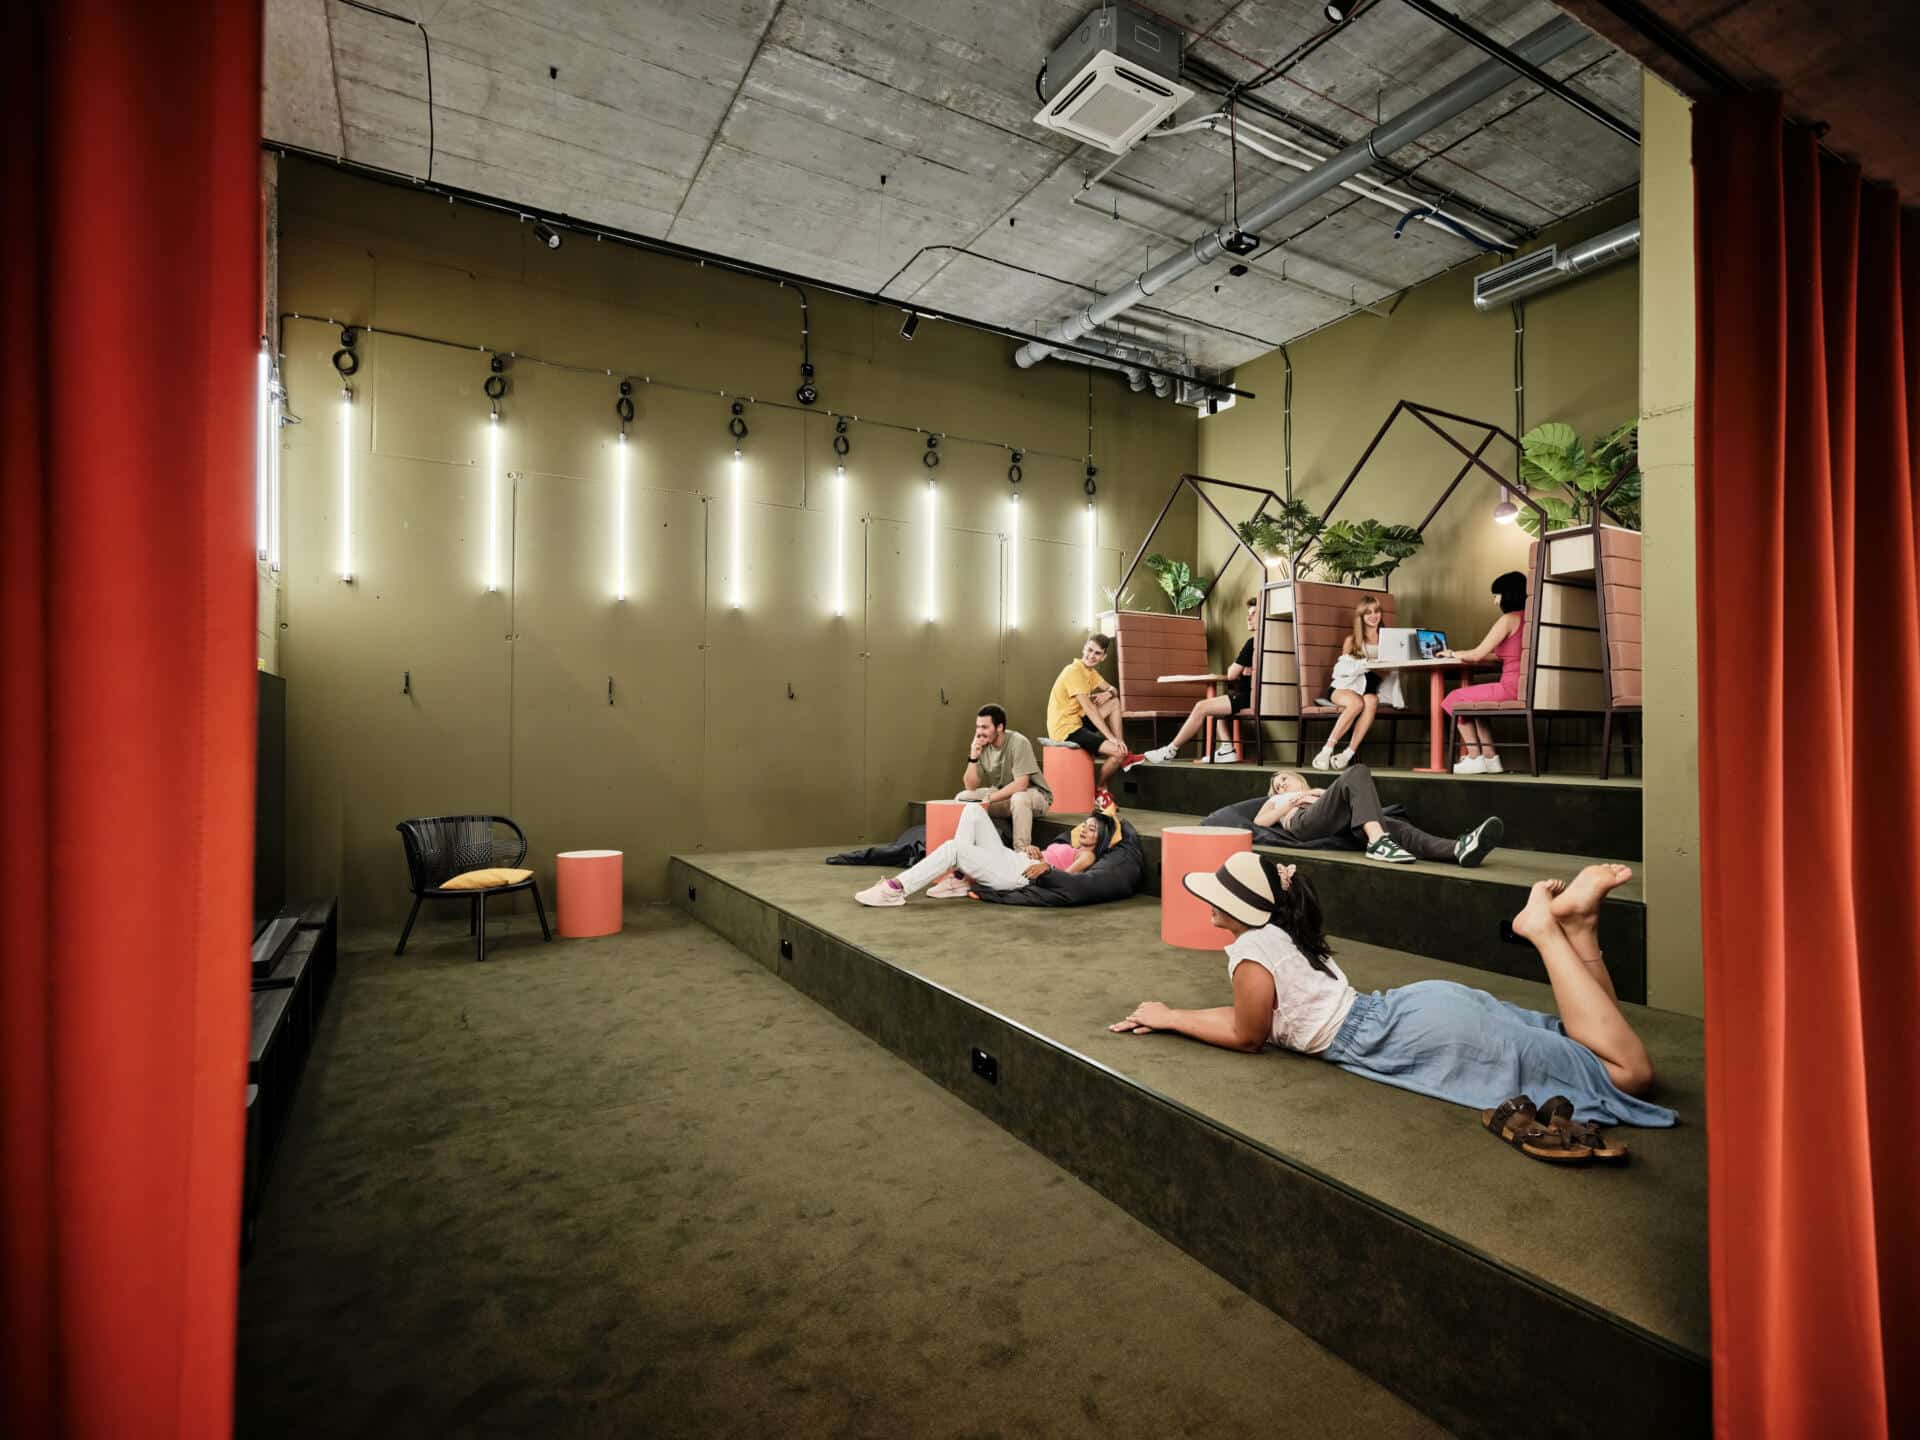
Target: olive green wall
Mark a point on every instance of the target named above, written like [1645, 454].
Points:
[702, 747]
[1582, 359]
[1666, 459]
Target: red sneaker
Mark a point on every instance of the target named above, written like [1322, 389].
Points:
[1133, 758]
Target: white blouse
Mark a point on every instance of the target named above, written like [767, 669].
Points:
[1309, 1006]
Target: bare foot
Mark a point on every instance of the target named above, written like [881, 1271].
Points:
[1579, 902]
[1537, 918]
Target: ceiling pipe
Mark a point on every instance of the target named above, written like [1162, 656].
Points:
[1554, 38]
[1609, 247]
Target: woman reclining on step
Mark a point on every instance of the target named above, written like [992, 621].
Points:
[1434, 1037]
[1349, 812]
[977, 857]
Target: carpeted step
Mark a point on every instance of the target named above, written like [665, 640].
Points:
[1387, 1225]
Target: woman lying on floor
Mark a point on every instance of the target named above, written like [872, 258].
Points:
[1433, 1037]
[977, 857]
[1294, 813]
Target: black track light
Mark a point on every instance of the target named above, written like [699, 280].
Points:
[546, 235]
[911, 324]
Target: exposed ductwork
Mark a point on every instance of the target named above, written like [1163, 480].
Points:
[1554, 38]
[1544, 269]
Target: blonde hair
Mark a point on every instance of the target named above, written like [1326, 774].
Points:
[1356, 643]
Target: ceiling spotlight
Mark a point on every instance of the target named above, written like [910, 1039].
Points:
[546, 235]
[911, 324]
[1506, 512]
[1335, 13]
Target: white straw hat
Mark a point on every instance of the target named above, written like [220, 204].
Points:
[1239, 888]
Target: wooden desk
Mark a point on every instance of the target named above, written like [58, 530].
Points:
[1436, 690]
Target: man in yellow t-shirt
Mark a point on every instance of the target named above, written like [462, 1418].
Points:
[1083, 710]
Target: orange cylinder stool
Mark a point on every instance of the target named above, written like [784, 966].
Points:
[1183, 848]
[943, 821]
[589, 884]
[1069, 772]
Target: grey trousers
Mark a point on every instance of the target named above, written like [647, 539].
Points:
[1344, 807]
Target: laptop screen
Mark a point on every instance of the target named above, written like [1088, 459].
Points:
[1429, 643]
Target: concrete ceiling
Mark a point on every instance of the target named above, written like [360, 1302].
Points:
[1848, 67]
[889, 145]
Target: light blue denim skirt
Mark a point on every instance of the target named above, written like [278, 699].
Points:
[1460, 1044]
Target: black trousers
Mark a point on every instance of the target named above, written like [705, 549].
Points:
[1343, 808]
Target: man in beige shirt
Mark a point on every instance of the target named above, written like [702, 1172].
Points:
[1004, 774]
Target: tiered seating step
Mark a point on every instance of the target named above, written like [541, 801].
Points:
[1440, 911]
[1387, 1225]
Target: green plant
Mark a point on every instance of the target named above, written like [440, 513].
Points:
[1566, 480]
[1356, 550]
[1185, 589]
[1282, 533]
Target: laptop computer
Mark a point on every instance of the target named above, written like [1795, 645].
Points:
[1397, 643]
[1429, 643]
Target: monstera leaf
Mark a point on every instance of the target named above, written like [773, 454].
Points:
[1184, 589]
[1567, 480]
[1357, 550]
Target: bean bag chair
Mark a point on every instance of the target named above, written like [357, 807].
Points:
[1120, 871]
[1239, 816]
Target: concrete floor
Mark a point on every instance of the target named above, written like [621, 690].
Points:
[1628, 1242]
[639, 1186]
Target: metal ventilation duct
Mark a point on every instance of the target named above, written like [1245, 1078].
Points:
[1544, 269]
[1555, 37]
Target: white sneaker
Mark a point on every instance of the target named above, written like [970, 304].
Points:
[1225, 754]
[1160, 756]
[954, 887]
[1343, 759]
[1490, 765]
[883, 893]
[1324, 760]
[1470, 765]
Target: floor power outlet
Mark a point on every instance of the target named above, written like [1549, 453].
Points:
[985, 1066]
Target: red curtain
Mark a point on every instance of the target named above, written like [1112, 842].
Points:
[1807, 421]
[131, 327]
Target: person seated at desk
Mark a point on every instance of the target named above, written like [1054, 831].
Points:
[1239, 696]
[1503, 643]
[1004, 774]
[1083, 710]
[1294, 813]
[1357, 691]
[977, 858]
[1433, 1037]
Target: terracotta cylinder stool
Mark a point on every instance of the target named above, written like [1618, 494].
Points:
[1184, 848]
[943, 821]
[1069, 772]
[589, 883]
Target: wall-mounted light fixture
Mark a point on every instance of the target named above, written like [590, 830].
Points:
[1087, 599]
[262, 465]
[1013, 541]
[623, 408]
[736, 427]
[930, 457]
[346, 483]
[495, 387]
[275, 420]
[842, 446]
[910, 324]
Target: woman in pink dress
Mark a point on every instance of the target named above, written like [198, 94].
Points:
[1503, 643]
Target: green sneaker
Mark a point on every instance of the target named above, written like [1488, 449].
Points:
[1387, 849]
[1478, 843]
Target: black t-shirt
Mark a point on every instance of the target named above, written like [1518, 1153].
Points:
[1242, 689]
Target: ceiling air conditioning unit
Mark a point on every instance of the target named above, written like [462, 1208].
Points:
[1113, 79]
[1493, 287]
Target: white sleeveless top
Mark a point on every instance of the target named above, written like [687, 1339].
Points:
[1308, 1007]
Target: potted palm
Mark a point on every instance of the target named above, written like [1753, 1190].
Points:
[1279, 536]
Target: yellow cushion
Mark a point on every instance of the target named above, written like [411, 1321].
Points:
[485, 879]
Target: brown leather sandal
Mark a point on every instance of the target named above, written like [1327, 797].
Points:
[1508, 1118]
[1557, 1114]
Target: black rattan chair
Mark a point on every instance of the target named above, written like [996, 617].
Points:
[440, 847]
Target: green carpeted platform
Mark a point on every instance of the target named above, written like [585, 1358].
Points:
[1624, 1251]
[637, 1186]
